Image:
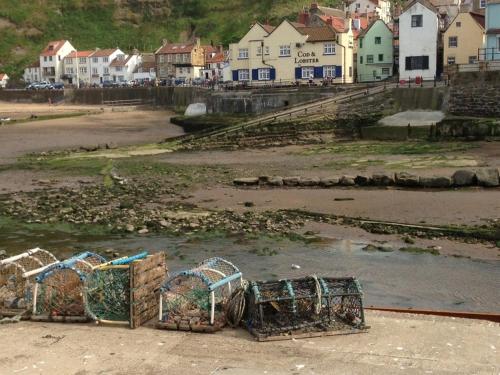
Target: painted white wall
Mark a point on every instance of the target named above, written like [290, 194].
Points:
[418, 41]
[32, 75]
[56, 62]
[366, 6]
[99, 67]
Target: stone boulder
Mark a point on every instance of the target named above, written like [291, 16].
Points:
[488, 177]
[363, 180]
[246, 181]
[464, 177]
[291, 181]
[383, 179]
[329, 181]
[309, 181]
[264, 179]
[196, 109]
[275, 181]
[407, 179]
[436, 182]
[348, 181]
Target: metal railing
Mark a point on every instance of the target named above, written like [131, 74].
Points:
[488, 54]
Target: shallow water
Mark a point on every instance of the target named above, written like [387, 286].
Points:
[394, 279]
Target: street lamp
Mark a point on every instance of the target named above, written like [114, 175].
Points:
[77, 71]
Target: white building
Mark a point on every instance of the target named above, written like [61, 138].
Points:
[418, 40]
[32, 73]
[215, 60]
[123, 66]
[77, 65]
[4, 79]
[100, 62]
[51, 60]
[382, 8]
[146, 68]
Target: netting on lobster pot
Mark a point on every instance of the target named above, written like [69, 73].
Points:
[195, 299]
[310, 304]
[107, 290]
[17, 278]
[59, 289]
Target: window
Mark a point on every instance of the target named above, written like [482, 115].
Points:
[380, 57]
[350, 71]
[105, 59]
[482, 3]
[451, 60]
[95, 60]
[386, 71]
[369, 59]
[83, 70]
[69, 70]
[329, 49]
[264, 74]
[307, 72]
[361, 59]
[285, 51]
[267, 50]
[243, 75]
[416, 21]
[452, 41]
[45, 59]
[188, 70]
[459, 24]
[361, 43]
[69, 61]
[472, 59]
[329, 71]
[106, 71]
[417, 63]
[50, 58]
[259, 51]
[119, 69]
[358, 5]
[185, 57]
[83, 60]
[94, 70]
[243, 53]
[378, 40]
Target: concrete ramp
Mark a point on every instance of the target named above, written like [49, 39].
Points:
[414, 118]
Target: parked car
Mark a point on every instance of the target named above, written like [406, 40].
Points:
[109, 84]
[58, 86]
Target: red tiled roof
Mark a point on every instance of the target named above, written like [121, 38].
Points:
[79, 54]
[479, 18]
[338, 24]
[269, 28]
[317, 34]
[120, 61]
[53, 47]
[104, 52]
[217, 58]
[173, 48]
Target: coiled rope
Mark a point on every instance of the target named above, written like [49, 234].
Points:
[236, 305]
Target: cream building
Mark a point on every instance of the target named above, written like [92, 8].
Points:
[463, 38]
[293, 52]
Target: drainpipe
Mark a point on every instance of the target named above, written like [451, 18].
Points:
[344, 58]
[262, 55]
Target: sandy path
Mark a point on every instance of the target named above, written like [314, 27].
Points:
[395, 342]
[404, 206]
[121, 128]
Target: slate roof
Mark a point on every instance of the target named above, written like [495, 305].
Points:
[318, 34]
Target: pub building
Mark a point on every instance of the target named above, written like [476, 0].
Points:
[294, 52]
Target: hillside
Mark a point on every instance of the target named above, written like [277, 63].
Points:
[27, 25]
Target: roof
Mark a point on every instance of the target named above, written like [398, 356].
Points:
[173, 48]
[36, 64]
[479, 18]
[104, 52]
[269, 28]
[118, 61]
[493, 2]
[3, 75]
[318, 34]
[365, 31]
[53, 47]
[425, 3]
[216, 58]
[493, 31]
[333, 12]
[74, 54]
[338, 23]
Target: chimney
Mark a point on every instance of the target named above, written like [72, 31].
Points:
[164, 41]
[197, 41]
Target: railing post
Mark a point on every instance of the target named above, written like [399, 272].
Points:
[409, 82]
[434, 81]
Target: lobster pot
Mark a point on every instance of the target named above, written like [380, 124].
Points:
[17, 279]
[108, 290]
[304, 307]
[195, 299]
[59, 289]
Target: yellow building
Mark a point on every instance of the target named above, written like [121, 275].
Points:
[292, 52]
[462, 39]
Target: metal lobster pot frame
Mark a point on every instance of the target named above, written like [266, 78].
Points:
[305, 307]
[107, 291]
[17, 279]
[59, 289]
[195, 299]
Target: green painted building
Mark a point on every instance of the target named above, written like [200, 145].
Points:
[375, 53]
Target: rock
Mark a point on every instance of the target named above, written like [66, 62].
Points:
[406, 179]
[291, 181]
[488, 177]
[383, 249]
[264, 179]
[249, 204]
[164, 223]
[130, 228]
[383, 179]
[246, 181]
[435, 182]
[464, 177]
[44, 182]
[309, 181]
[276, 181]
[348, 181]
[111, 145]
[362, 180]
[196, 109]
[329, 181]
[295, 267]
[143, 231]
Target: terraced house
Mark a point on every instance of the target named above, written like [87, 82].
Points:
[375, 53]
[183, 61]
[293, 52]
[77, 67]
[52, 60]
[463, 38]
[492, 47]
